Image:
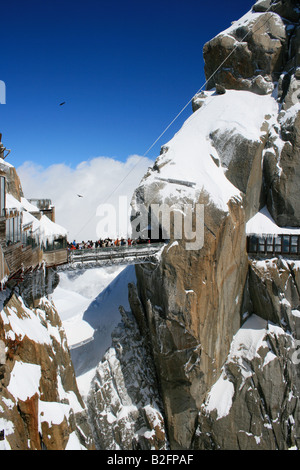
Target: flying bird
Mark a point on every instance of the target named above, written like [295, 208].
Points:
[61, 104]
[79, 195]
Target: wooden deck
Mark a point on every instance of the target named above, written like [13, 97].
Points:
[55, 257]
[18, 257]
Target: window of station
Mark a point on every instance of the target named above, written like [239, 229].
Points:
[59, 244]
[261, 245]
[253, 241]
[13, 230]
[285, 244]
[2, 196]
[25, 234]
[27, 239]
[270, 244]
[278, 244]
[294, 244]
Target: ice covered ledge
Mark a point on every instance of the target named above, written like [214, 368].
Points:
[263, 224]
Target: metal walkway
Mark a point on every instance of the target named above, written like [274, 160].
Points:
[123, 255]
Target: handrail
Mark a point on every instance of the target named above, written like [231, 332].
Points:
[115, 249]
[93, 257]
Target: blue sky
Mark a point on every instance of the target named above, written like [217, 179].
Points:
[124, 68]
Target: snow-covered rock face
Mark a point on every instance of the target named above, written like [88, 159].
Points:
[215, 372]
[124, 403]
[282, 169]
[40, 406]
[214, 151]
[255, 48]
[217, 331]
[192, 300]
[236, 154]
[261, 54]
[256, 394]
[114, 371]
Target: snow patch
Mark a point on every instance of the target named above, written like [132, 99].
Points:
[188, 155]
[296, 313]
[74, 443]
[220, 397]
[24, 380]
[244, 348]
[27, 325]
[290, 115]
[53, 412]
[73, 296]
[8, 428]
[263, 224]
[48, 231]
[172, 245]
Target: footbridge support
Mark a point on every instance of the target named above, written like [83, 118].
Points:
[100, 257]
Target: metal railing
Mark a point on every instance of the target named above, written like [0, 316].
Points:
[136, 254]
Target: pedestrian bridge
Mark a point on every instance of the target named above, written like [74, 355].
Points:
[109, 256]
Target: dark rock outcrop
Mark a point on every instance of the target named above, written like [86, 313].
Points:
[282, 171]
[256, 49]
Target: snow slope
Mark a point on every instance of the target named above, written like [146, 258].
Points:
[194, 143]
[75, 292]
[88, 304]
[103, 315]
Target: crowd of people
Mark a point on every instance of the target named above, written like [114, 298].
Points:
[107, 242]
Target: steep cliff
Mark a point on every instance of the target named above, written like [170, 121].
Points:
[238, 152]
[255, 402]
[207, 358]
[124, 403]
[40, 406]
[116, 375]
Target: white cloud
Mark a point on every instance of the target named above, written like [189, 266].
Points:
[95, 180]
